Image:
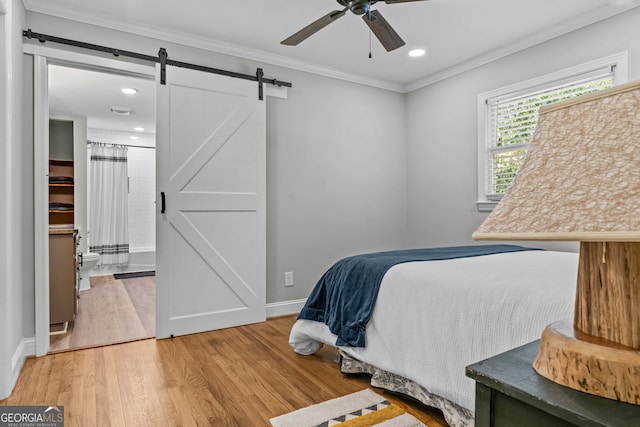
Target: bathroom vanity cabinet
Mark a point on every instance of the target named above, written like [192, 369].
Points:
[63, 275]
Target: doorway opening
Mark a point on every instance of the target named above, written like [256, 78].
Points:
[92, 113]
[210, 179]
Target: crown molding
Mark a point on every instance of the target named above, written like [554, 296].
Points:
[146, 30]
[596, 15]
[613, 8]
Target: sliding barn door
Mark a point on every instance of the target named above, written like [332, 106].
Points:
[211, 227]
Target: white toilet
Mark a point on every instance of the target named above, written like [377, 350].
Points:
[88, 260]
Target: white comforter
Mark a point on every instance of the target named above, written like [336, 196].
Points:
[433, 318]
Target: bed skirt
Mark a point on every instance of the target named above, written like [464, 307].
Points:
[455, 415]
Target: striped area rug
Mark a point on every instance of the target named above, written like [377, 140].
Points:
[361, 409]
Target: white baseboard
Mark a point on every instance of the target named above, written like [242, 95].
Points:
[284, 308]
[27, 347]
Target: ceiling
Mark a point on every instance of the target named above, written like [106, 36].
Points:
[457, 35]
[91, 94]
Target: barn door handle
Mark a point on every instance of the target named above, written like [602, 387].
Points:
[163, 203]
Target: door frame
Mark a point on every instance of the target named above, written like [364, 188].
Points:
[42, 57]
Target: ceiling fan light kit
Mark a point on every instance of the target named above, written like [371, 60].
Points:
[379, 26]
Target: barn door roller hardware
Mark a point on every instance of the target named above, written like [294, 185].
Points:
[162, 59]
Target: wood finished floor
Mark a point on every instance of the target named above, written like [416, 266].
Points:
[111, 311]
[232, 377]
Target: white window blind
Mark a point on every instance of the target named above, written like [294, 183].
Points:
[512, 122]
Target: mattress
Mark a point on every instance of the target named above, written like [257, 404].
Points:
[433, 318]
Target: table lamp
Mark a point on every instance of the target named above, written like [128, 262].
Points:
[580, 181]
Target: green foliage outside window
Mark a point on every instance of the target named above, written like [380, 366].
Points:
[516, 123]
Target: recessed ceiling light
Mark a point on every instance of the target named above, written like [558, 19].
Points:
[138, 129]
[417, 52]
[133, 137]
[121, 111]
[129, 90]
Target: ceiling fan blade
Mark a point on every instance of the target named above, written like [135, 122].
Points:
[382, 30]
[314, 27]
[399, 1]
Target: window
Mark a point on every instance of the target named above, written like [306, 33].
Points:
[508, 118]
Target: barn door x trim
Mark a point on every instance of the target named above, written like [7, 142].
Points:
[162, 58]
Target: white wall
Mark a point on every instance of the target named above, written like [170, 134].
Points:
[14, 219]
[5, 326]
[335, 178]
[442, 127]
[335, 161]
[142, 194]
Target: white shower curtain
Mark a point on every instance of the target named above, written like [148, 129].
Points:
[108, 212]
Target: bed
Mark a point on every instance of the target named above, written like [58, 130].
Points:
[432, 318]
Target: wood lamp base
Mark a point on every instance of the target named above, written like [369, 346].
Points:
[600, 353]
[572, 359]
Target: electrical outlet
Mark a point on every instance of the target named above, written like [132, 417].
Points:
[288, 279]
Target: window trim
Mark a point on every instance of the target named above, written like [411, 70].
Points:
[618, 60]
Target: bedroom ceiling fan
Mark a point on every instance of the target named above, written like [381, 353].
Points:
[373, 18]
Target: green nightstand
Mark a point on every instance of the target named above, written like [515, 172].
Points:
[509, 393]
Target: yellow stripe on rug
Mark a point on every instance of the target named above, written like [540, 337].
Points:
[364, 408]
[373, 418]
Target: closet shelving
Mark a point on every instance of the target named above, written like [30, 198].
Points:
[61, 188]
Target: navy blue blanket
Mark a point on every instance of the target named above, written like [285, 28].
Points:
[346, 294]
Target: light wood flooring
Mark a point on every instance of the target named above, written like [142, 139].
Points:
[232, 377]
[111, 311]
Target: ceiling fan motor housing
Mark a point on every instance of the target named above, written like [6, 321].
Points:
[357, 7]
